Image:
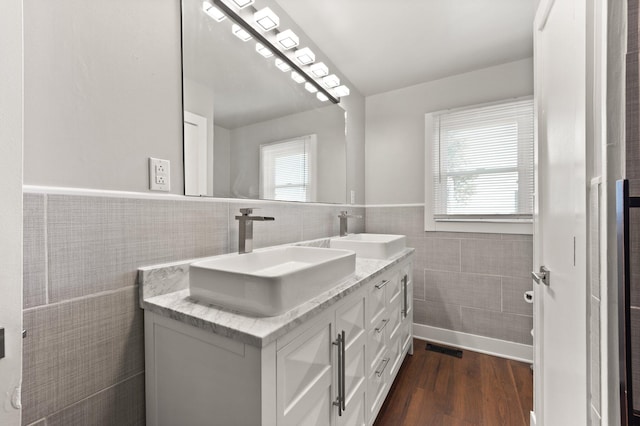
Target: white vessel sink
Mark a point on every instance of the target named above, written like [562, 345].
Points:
[373, 246]
[269, 282]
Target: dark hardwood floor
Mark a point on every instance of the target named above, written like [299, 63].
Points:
[442, 390]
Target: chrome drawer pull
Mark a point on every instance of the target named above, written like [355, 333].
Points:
[381, 370]
[384, 324]
[382, 284]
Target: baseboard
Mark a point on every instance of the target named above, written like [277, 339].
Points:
[472, 342]
[532, 419]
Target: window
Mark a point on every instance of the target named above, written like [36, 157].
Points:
[481, 163]
[287, 170]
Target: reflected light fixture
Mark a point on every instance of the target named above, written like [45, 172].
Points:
[240, 32]
[295, 76]
[263, 50]
[215, 13]
[287, 39]
[276, 45]
[319, 69]
[266, 19]
[342, 91]
[242, 3]
[331, 81]
[305, 56]
[282, 65]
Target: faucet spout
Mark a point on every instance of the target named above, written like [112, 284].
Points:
[245, 231]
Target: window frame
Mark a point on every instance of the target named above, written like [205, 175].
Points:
[510, 224]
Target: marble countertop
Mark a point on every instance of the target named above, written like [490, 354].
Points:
[164, 290]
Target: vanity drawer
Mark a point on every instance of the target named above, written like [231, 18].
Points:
[395, 320]
[376, 300]
[394, 288]
[378, 384]
[376, 343]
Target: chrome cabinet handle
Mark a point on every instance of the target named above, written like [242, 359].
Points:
[340, 401]
[382, 284]
[344, 372]
[544, 275]
[384, 324]
[381, 370]
[405, 309]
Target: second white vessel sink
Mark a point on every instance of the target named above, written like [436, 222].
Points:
[373, 246]
[269, 282]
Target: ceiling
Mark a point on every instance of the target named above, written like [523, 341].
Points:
[385, 45]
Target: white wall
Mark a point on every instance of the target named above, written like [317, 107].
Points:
[394, 126]
[11, 210]
[102, 92]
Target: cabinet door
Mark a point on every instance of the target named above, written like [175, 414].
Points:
[377, 301]
[305, 378]
[351, 318]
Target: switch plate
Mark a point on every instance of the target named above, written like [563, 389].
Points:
[159, 175]
[1, 343]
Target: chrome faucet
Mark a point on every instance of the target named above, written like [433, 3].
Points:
[343, 221]
[245, 234]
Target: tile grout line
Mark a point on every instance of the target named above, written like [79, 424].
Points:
[76, 299]
[45, 204]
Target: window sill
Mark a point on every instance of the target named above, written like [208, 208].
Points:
[491, 226]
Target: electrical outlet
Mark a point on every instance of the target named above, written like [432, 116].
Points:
[159, 175]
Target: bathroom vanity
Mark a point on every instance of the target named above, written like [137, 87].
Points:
[329, 361]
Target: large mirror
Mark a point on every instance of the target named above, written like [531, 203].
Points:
[250, 131]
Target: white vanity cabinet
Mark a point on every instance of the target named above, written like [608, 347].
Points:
[308, 376]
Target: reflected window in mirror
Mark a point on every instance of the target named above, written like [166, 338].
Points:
[288, 170]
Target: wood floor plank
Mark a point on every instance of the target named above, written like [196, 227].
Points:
[438, 389]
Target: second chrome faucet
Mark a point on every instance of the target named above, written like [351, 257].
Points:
[245, 234]
[343, 221]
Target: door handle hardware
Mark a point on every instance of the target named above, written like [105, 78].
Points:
[543, 276]
[1, 343]
[341, 399]
[384, 324]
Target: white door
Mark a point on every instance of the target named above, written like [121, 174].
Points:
[196, 156]
[560, 384]
[11, 209]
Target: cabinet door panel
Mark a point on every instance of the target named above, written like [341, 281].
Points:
[304, 378]
[355, 414]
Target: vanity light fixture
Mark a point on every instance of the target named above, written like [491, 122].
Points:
[295, 76]
[282, 65]
[242, 3]
[331, 81]
[263, 50]
[319, 69]
[215, 13]
[266, 19]
[310, 87]
[287, 39]
[239, 32]
[342, 91]
[305, 56]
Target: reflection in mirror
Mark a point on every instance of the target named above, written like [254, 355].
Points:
[251, 131]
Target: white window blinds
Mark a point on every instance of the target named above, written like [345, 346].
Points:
[287, 170]
[483, 162]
